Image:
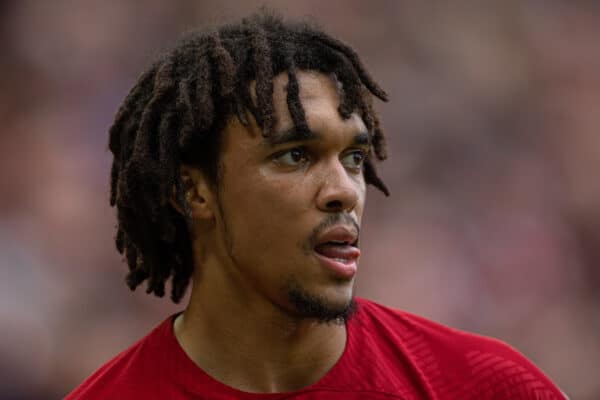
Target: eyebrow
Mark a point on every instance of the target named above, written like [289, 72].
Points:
[294, 135]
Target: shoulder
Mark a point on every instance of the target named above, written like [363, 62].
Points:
[125, 374]
[455, 362]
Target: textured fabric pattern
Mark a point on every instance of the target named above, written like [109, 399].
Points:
[389, 354]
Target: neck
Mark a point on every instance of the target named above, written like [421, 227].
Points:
[249, 343]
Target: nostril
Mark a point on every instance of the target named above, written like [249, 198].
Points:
[334, 204]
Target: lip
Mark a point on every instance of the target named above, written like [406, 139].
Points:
[340, 233]
[340, 269]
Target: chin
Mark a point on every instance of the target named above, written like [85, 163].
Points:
[332, 308]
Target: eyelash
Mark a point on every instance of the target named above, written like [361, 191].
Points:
[277, 156]
[305, 157]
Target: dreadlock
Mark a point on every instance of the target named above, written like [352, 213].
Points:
[173, 115]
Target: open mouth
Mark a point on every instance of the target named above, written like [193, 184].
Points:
[338, 257]
[339, 250]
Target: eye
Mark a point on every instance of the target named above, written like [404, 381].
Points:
[292, 157]
[354, 160]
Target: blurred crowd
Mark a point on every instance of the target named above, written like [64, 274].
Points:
[494, 220]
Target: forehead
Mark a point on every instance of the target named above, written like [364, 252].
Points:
[312, 84]
[319, 96]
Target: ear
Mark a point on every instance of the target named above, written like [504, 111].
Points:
[193, 196]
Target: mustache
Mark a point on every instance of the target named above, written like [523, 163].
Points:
[329, 221]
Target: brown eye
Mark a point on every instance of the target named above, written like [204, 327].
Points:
[292, 157]
[354, 160]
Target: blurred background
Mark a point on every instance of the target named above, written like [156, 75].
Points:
[494, 221]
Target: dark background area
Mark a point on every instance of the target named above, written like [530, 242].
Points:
[494, 221]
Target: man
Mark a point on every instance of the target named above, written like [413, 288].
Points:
[241, 160]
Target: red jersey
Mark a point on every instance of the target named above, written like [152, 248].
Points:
[389, 354]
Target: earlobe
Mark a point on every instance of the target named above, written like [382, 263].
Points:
[192, 195]
[177, 200]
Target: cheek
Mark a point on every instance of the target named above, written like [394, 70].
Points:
[265, 214]
[362, 197]
[281, 195]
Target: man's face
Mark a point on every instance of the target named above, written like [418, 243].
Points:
[289, 208]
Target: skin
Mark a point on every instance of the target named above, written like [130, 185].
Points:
[252, 237]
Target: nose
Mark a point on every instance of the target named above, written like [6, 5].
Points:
[339, 192]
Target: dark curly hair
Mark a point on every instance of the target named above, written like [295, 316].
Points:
[177, 108]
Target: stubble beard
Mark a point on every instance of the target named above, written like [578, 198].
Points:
[311, 306]
[306, 305]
